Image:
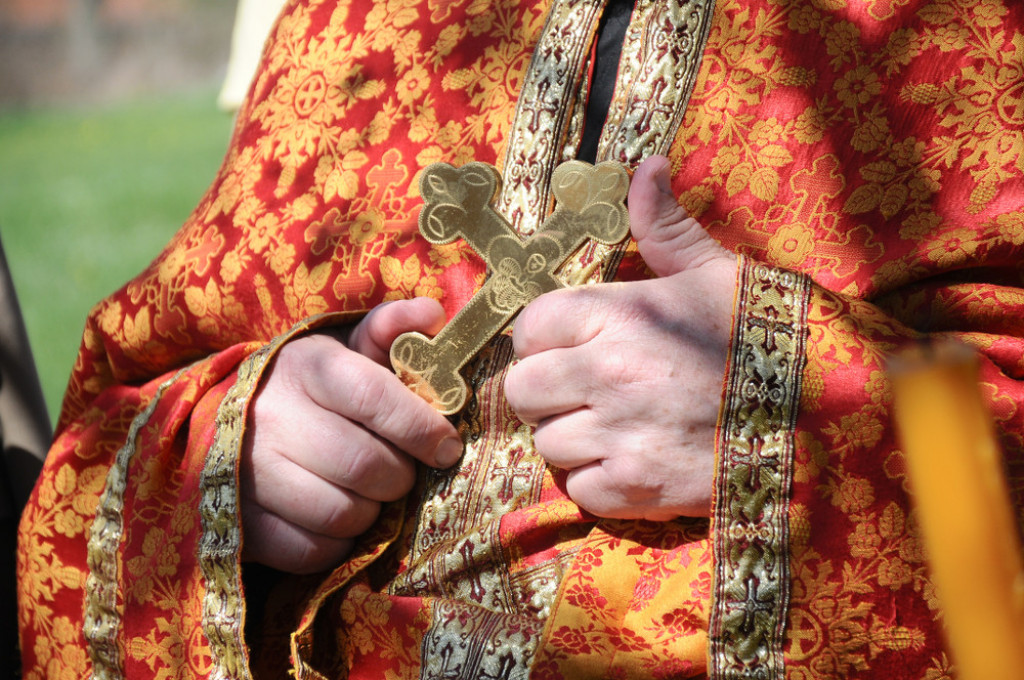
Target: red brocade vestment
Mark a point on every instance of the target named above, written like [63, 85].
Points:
[866, 157]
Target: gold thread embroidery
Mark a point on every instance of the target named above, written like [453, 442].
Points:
[456, 551]
[544, 112]
[102, 619]
[659, 65]
[661, 56]
[752, 486]
[221, 541]
[658, 68]
[467, 641]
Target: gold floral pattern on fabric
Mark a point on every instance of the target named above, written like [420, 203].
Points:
[67, 499]
[868, 161]
[798, 205]
[752, 486]
[843, 597]
[980, 104]
[315, 207]
[103, 587]
[634, 603]
[873, 146]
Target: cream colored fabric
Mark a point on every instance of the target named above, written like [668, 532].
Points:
[253, 20]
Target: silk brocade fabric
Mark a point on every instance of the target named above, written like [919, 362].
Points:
[864, 157]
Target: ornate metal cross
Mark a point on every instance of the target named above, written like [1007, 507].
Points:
[590, 204]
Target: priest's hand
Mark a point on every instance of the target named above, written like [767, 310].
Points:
[624, 380]
[332, 433]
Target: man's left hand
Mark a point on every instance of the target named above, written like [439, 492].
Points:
[624, 380]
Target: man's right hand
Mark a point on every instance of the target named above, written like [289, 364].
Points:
[333, 433]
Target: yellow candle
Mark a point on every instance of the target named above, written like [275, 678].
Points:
[964, 509]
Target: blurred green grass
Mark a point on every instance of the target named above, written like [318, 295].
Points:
[87, 198]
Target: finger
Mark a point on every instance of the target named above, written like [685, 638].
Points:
[566, 441]
[272, 541]
[386, 407]
[331, 446]
[357, 388]
[605, 374]
[597, 491]
[374, 335]
[567, 317]
[348, 456]
[626, 487]
[669, 240]
[590, 488]
[547, 384]
[308, 501]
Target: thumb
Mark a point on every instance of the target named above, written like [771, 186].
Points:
[374, 335]
[669, 240]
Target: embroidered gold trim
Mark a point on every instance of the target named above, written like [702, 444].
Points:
[457, 548]
[661, 56]
[658, 68]
[102, 617]
[544, 112]
[752, 486]
[468, 641]
[456, 551]
[660, 60]
[221, 541]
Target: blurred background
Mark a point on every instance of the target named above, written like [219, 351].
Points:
[110, 131]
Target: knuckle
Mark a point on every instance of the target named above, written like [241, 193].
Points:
[583, 493]
[355, 467]
[302, 354]
[367, 395]
[637, 488]
[347, 519]
[616, 367]
[398, 484]
[419, 421]
[265, 416]
[524, 331]
[539, 315]
[261, 473]
[334, 519]
[376, 472]
[514, 387]
[545, 445]
[272, 541]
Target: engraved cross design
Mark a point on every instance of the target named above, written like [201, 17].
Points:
[590, 204]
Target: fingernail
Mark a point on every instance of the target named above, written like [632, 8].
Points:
[663, 179]
[448, 451]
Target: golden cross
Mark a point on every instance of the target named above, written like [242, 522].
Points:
[590, 204]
